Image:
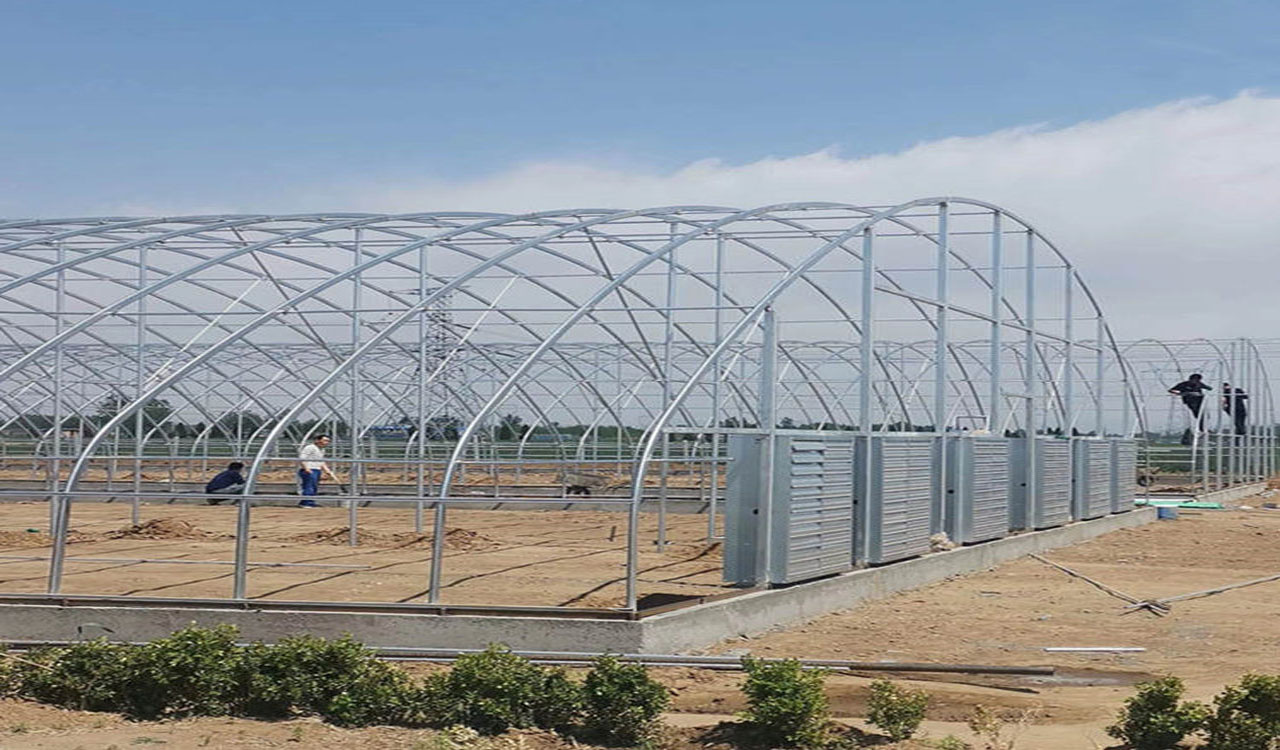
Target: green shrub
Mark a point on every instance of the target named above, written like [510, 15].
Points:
[432, 702]
[90, 676]
[495, 690]
[1246, 716]
[622, 703]
[785, 703]
[559, 705]
[896, 710]
[10, 677]
[192, 672]
[302, 673]
[379, 694]
[1156, 718]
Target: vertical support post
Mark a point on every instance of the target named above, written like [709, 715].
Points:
[937, 514]
[1236, 447]
[240, 577]
[718, 314]
[1069, 358]
[617, 441]
[353, 426]
[667, 365]
[1255, 412]
[867, 342]
[58, 503]
[60, 308]
[1242, 378]
[240, 571]
[1265, 420]
[1261, 424]
[139, 421]
[769, 421]
[1099, 372]
[437, 545]
[1251, 466]
[422, 389]
[995, 397]
[866, 355]
[1125, 398]
[1031, 382]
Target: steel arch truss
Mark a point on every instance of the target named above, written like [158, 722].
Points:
[482, 339]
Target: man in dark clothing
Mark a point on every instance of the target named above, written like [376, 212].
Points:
[229, 482]
[1192, 392]
[1233, 403]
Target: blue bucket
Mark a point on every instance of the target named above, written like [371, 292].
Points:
[1167, 514]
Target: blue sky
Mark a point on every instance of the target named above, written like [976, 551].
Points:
[172, 103]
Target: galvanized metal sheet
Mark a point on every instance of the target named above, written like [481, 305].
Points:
[812, 530]
[1124, 474]
[1053, 483]
[1090, 478]
[742, 548]
[978, 488]
[1095, 496]
[899, 507]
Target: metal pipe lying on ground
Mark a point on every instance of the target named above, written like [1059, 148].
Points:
[1156, 608]
[1207, 592]
[721, 662]
[1096, 649]
[584, 658]
[162, 561]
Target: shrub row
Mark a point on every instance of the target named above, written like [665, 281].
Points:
[1245, 716]
[787, 707]
[205, 672]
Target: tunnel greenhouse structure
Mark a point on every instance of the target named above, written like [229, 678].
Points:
[830, 385]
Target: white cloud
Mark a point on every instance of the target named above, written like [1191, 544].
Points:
[1171, 212]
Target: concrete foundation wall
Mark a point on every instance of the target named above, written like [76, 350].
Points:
[679, 630]
[26, 622]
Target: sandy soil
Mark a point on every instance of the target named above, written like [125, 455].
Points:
[29, 726]
[1010, 614]
[1007, 615]
[571, 558]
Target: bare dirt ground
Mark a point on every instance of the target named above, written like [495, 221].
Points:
[492, 557]
[1007, 615]
[158, 472]
[27, 725]
[1010, 614]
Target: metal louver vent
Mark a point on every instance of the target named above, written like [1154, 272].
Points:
[977, 488]
[1091, 484]
[812, 509]
[1053, 480]
[1124, 474]
[899, 507]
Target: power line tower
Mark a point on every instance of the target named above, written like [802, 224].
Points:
[439, 360]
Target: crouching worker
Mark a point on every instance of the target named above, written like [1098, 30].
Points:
[229, 482]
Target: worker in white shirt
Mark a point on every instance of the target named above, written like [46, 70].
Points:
[312, 462]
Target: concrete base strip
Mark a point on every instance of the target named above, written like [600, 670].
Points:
[679, 630]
